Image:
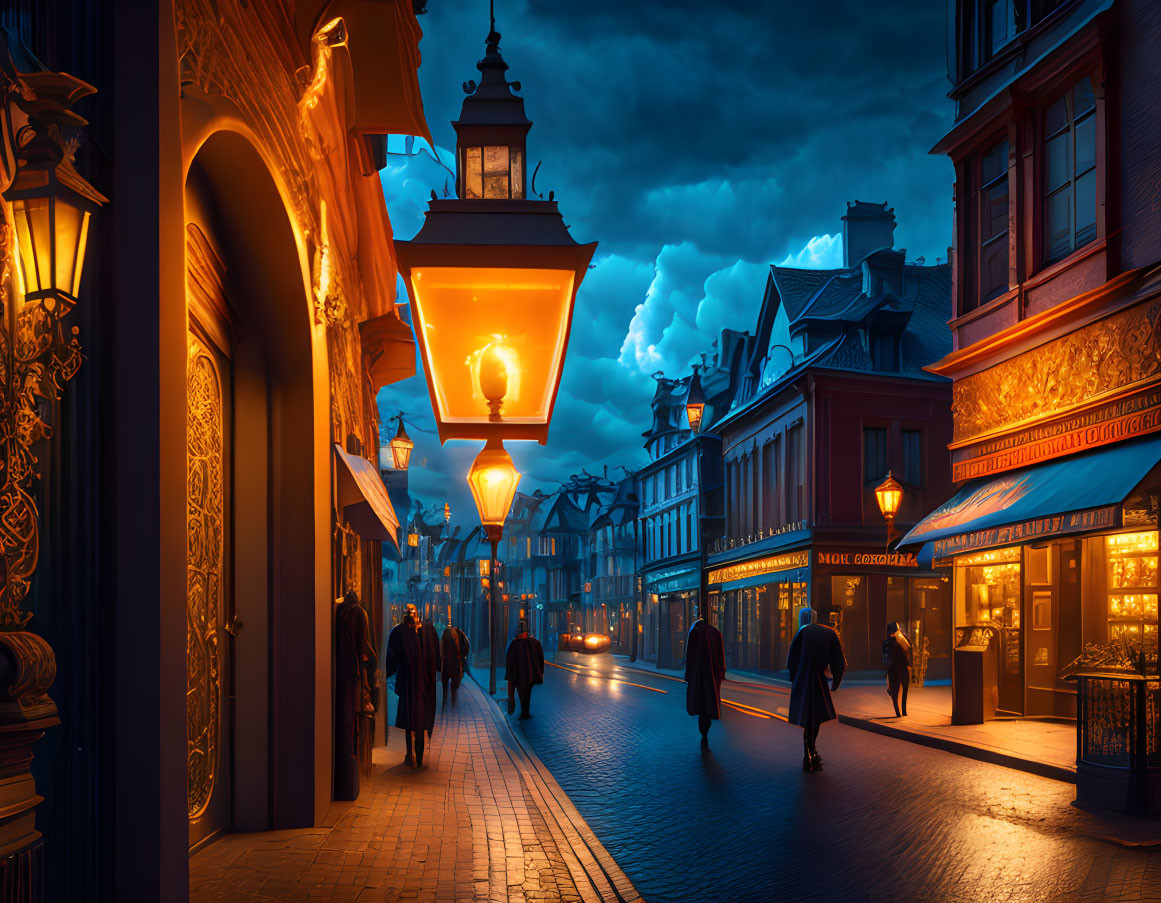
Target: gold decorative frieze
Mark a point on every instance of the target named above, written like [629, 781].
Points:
[1116, 355]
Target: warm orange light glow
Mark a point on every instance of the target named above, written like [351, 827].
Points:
[889, 495]
[401, 446]
[693, 414]
[413, 539]
[52, 229]
[493, 479]
[473, 321]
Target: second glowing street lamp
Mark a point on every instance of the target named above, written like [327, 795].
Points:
[492, 277]
[889, 495]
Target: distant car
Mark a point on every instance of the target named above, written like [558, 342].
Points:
[591, 643]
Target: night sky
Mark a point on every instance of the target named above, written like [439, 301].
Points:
[698, 143]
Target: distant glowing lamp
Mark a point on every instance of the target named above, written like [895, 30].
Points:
[51, 207]
[694, 403]
[413, 539]
[401, 446]
[889, 495]
[493, 479]
[446, 513]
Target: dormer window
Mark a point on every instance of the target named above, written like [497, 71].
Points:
[493, 172]
[885, 351]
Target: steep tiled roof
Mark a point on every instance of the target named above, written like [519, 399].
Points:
[796, 287]
[927, 338]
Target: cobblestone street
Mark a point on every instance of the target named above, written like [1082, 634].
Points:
[478, 822]
[884, 820]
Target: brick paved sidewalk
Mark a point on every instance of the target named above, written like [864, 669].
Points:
[481, 821]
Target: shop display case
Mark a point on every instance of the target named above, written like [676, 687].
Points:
[1132, 586]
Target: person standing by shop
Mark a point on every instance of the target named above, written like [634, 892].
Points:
[705, 668]
[410, 659]
[815, 649]
[523, 668]
[455, 650]
[897, 660]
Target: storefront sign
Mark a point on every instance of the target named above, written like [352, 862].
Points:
[1123, 418]
[745, 569]
[867, 559]
[1072, 522]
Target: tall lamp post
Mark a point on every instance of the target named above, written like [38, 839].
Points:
[493, 479]
[492, 277]
[889, 495]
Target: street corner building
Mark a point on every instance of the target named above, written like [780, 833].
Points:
[1052, 537]
[191, 479]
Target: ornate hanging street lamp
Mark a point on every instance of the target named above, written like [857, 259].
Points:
[401, 446]
[889, 495]
[492, 277]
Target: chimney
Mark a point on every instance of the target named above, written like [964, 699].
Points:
[866, 228]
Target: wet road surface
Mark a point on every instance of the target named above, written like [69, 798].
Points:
[739, 820]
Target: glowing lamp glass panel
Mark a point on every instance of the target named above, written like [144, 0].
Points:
[494, 340]
[889, 495]
[693, 413]
[493, 480]
[401, 448]
[51, 235]
[493, 171]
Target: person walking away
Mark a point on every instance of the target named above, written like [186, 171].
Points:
[407, 657]
[705, 668]
[816, 648]
[523, 668]
[455, 653]
[897, 660]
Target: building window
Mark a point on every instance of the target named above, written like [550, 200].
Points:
[794, 475]
[689, 524]
[988, 221]
[995, 23]
[874, 453]
[1070, 172]
[913, 457]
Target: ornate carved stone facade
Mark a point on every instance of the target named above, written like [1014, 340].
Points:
[1120, 352]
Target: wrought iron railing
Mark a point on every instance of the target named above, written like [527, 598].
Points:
[1119, 721]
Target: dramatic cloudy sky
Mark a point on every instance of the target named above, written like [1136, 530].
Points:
[697, 142]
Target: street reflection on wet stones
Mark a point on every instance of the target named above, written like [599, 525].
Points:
[739, 820]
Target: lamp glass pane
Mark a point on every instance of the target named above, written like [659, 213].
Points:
[79, 258]
[66, 237]
[473, 177]
[495, 332]
[401, 452]
[33, 218]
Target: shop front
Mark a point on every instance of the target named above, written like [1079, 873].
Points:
[755, 604]
[671, 608]
[1047, 561]
[861, 591]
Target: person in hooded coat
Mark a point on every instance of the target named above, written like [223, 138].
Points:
[705, 668]
[815, 649]
[523, 668]
[897, 660]
[410, 658]
[455, 650]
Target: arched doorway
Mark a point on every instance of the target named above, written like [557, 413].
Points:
[253, 660]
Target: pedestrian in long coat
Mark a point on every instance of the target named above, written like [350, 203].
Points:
[705, 668]
[816, 648]
[410, 659]
[897, 661]
[523, 668]
[455, 651]
[433, 659]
